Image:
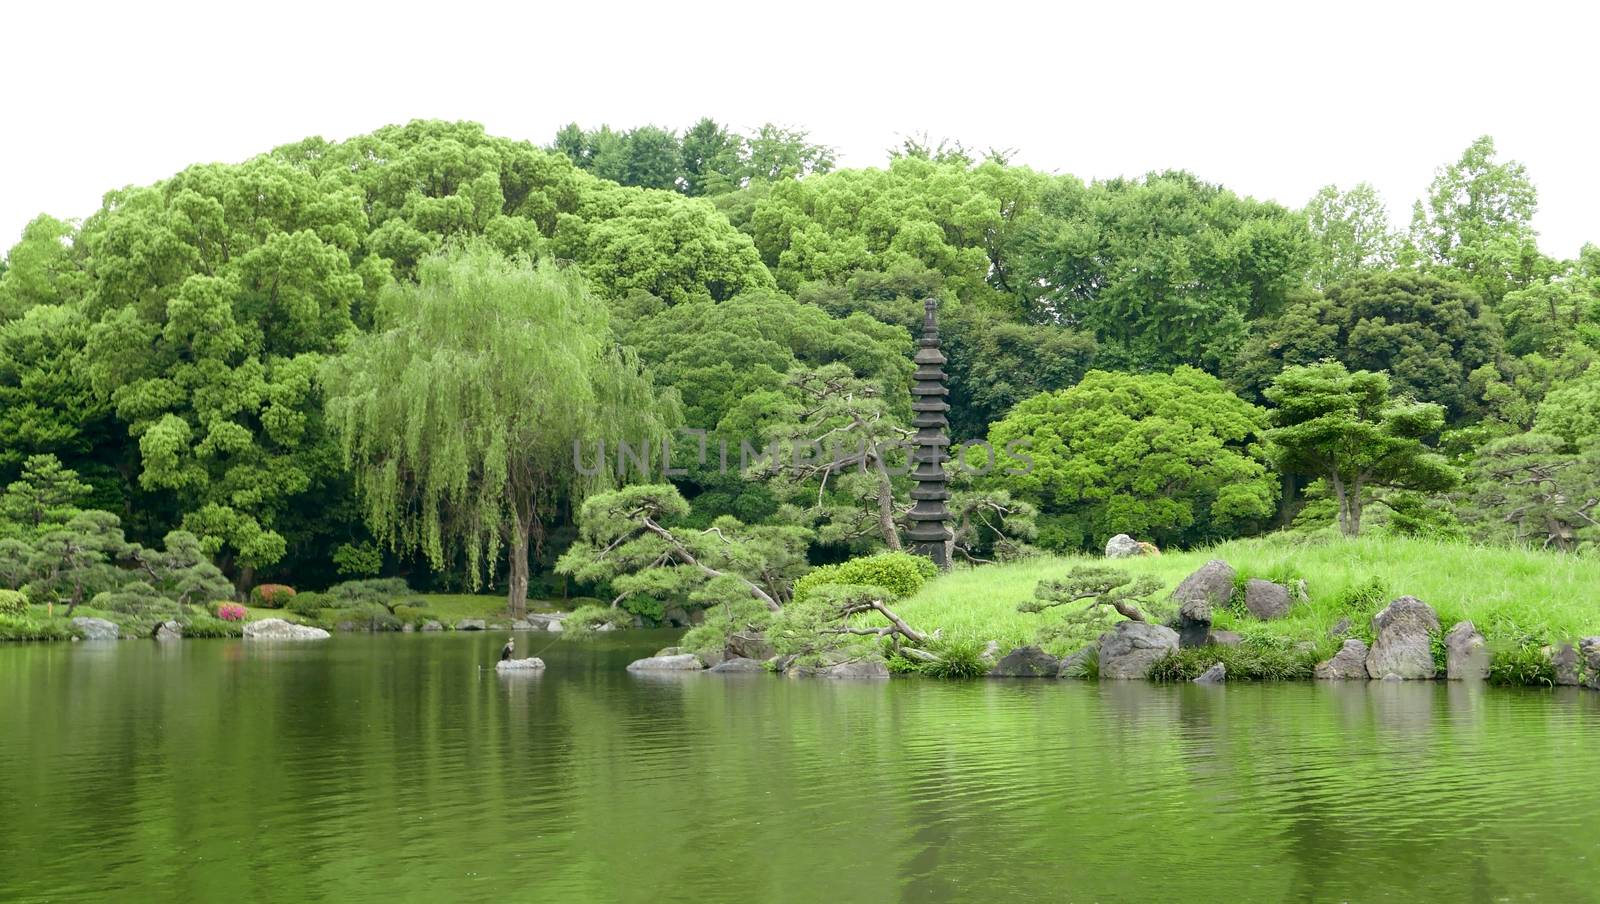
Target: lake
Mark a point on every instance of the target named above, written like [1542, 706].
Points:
[390, 768]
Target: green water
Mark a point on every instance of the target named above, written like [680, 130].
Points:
[391, 769]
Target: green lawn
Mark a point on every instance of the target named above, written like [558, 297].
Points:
[1507, 593]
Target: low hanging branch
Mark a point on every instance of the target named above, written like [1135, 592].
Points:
[1101, 585]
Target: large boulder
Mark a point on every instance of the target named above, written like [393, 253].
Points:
[531, 664]
[1466, 654]
[1266, 600]
[749, 645]
[1565, 659]
[738, 664]
[432, 625]
[1122, 546]
[1590, 648]
[1217, 674]
[94, 628]
[680, 662]
[169, 630]
[1209, 587]
[712, 658]
[538, 621]
[471, 624]
[871, 667]
[1403, 640]
[1076, 665]
[278, 629]
[1026, 662]
[1350, 663]
[1129, 650]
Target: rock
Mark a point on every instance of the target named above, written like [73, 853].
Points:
[1210, 586]
[713, 658]
[1122, 546]
[432, 625]
[1350, 663]
[1340, 628]
[605, 628]
[1217, 674]
[1403, 643]
[668, 651]
[1026, 662]
[991, 652]
[95, 628]
[1565, 659]
[749, 645]
[1590, 648]
[554, 625]
[531, 664]
[1392, 677]
[470, 624]
[522, 624]
[676, 617]
[780, 664]
[278, 629]
[407, 628]
[681, 662]
[169, 630]
[1466, 656]
[855, 668]
[1129, 650]
[738, 664]
[1266, 600]
[1076, 665]
[1223, 639]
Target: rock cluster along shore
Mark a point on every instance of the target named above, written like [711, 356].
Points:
[1402, 647]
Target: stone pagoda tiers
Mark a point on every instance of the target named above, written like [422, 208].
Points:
[929, 531]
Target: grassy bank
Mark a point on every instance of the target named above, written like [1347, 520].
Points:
[1514, 596]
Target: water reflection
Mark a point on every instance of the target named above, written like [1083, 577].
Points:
[402, 768]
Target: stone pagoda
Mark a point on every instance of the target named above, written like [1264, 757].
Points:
[929, 531]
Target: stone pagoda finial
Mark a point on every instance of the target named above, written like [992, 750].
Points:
[929, 530]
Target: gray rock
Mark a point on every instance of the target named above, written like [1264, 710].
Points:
[1217, 674]
[169, 630]
[471, 624]
[1129, 650]
[1466, 655]
[1076, 665]
[1223, 639]
[278, 629]
[856, 668]
[522, 624]
[738, 664]
[1209, 587]
[1350, 663]
[681, 662]
[531, 664]
[605, 627]
[669, 651]
[1026, 662]
[1122, 546]
[749, 645]
[1266, 600]
[1392, 677]
[1402, 643]
[676, 616]
[713, 657]
[432, 625]
[407, 628]
[94, 628]
[1340, 628]
[1565, 659]
[991, 652]
[1590, 648]
[554, 626]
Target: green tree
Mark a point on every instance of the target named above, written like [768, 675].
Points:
[778, 152]
[461, 416]
[1342, 425]
[1428, 334]
[45, 497]
[1352, 233]
[1533, 489]
[1571, 412]
[1477, 219]
[1173, 457]
[713, 159]
[41, 269]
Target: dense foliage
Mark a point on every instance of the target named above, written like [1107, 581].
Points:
[371, 358]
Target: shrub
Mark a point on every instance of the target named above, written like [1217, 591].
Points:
[1261, 662]
[271, 596]
[309, 604]
[13, 602]
[135, 598]
[959, 659]
[585, 619]
[411, 613]
[383, 591]
[900, 574]
[14, 627]
[746, 615]
[366, 616]
[231, 612]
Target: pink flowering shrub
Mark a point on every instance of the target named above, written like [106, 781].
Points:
[231, 612]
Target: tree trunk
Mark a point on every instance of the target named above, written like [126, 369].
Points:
[1353, 526]
[1342, 496]
[517, 586]
[891, 534]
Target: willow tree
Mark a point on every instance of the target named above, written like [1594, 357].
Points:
[461, 414]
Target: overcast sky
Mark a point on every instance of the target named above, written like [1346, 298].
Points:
[1271, 99]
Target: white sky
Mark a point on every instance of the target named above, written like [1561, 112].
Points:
[1271, 99]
